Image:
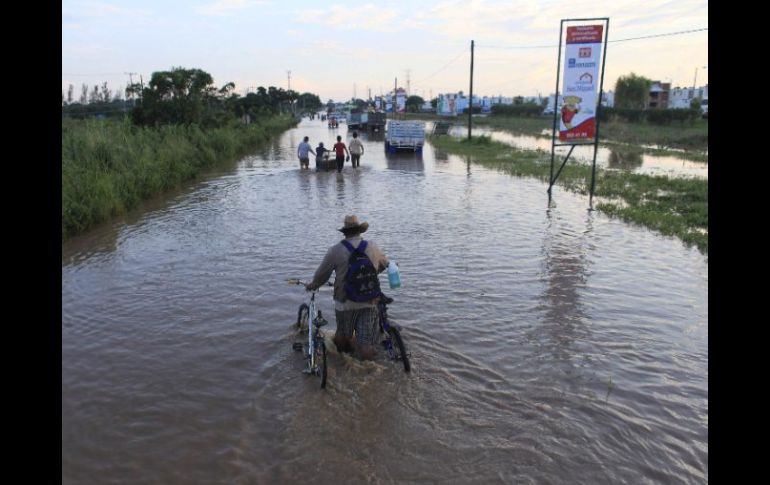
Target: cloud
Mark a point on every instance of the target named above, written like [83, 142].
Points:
[101, 10]
[368, 17]
[227, 7]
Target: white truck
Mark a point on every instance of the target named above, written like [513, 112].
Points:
[404, 135]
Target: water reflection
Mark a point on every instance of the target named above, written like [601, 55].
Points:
[303, 176]
[440, 156]
[565, 270]
[372, 135]
[405, 161]
[340, 185]
[626, 158]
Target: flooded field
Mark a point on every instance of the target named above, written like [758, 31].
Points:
[546, 346]
[615, 158]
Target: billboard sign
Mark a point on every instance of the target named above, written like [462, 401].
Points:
[447, 105]
[579, 93]
[401, 102]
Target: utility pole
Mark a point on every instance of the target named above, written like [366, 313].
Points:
[408, 84]
[695, 80]
[470, 98]
[288, 73]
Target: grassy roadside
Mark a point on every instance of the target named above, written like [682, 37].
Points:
[671, 206]
[109, 166]
[690, 138]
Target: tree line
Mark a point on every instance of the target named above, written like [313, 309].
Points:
[185, 96]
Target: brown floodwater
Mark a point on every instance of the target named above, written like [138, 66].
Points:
[552, 346]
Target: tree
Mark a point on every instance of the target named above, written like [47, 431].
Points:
[359, 103]
[414, 103]
[695, 103]
[70, 93]
[179, 96]
[309, 102]
[84, 93]
[94, 96]
[632, 91]
[106, 94]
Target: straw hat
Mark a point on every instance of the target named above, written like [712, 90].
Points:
[351, 222]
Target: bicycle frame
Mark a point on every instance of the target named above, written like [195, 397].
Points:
[382, 309]
[311, 325]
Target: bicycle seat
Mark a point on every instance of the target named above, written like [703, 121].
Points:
[386, 300]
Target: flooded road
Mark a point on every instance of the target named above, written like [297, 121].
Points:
[546, 347]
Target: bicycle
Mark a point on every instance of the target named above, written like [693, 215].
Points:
[392, 334]
[315, 349]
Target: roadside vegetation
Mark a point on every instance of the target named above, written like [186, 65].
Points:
[691, 136]
[672, 206]
[178, 126]
[109, 166]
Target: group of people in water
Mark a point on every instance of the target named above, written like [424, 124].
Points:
[321, 153]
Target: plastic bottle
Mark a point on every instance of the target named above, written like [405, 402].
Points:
[393, 277]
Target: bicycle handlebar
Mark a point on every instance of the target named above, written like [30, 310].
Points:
[297, 281]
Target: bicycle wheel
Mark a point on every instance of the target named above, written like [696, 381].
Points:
[398, 345]
[320, 351]
[302, 316]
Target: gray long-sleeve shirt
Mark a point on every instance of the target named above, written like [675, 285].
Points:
[336, 260]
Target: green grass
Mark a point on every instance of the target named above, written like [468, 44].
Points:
[690, 138]
[672, 206]
[109, 166]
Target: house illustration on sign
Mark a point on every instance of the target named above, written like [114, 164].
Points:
[587, 78]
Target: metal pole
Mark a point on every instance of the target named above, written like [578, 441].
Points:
[395, 98]
[555, 112]
[598, 115]
[470, 99]
[694, 82]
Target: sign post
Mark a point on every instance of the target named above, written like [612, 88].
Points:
[578, 104]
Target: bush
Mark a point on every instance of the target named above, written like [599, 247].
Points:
[524, 110]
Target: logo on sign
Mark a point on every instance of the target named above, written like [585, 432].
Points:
[585, 52]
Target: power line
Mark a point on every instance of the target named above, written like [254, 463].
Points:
[94, 74]
[441, 68]
[609, 41]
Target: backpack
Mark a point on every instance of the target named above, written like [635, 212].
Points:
[361, 281]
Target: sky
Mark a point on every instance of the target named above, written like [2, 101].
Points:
[340, 50]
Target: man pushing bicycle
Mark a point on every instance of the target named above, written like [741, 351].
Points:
[356, 264]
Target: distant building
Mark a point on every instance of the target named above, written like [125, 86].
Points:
[453, 104]
[608, 99]
[681, 97]
[658, 96]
